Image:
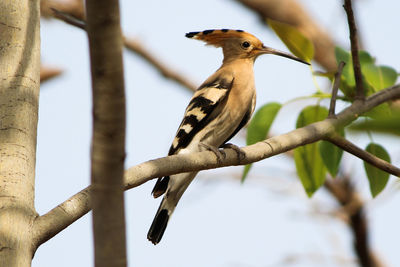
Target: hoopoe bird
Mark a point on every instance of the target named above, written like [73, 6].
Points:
[219, 108]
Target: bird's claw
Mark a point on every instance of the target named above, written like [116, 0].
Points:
[218, 153]
[240, 153]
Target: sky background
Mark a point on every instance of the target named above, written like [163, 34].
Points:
[219, 222]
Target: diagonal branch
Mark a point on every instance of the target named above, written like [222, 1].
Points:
[63, 215]
[162, 68]
[68, 18]
[335, 89]
[360, 91]
[353, 207]
[348, 146]
[135, 47]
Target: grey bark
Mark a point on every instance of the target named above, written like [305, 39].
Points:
[19, 95]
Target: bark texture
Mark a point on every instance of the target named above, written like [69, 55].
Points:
[108, 140]
[19, 95]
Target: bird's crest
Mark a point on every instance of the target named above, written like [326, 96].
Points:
[218, 37]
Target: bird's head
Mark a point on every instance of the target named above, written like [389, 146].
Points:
[238, 44]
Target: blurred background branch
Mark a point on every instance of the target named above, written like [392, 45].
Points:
[293, 13]
[72, 12]
[47, 73]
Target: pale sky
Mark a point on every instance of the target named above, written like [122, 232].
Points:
[219, 222]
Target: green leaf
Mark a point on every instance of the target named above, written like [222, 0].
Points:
[376, 177]
[309, 164]
[383, 124]
[311, 114]
[348, 83]
[295, 41]
[328, 74]
[331, 156]
[383, 110]
[365, 58]
[379, 77]
[259, 126]
[347, 73]
[246, 171]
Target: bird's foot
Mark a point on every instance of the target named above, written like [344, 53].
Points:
[218, 153]
[240, 153]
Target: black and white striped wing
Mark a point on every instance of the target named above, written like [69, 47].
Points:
[203, 108]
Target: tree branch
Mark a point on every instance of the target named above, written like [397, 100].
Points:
[135, 47]
[162, 68]
[335, 89]
[73, 7]
[360, 91]
[63, 215]
[353, 208]
[108, 140]
[47, 73]
[348, 146]
[68, 18]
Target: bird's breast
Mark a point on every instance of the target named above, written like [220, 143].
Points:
[237, 105]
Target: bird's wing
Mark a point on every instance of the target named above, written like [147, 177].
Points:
[204, 106]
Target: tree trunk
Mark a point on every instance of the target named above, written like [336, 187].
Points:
[19, 95]
[108, 140]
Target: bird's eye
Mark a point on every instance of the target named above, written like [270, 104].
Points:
[245, 45]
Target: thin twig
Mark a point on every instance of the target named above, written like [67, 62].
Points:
[360, 91]
[69, 19]
[362, 154]
[73, 7]
[47, 73]
[164, 70]
[335, 89]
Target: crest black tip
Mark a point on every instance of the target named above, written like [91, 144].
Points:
[191, 34]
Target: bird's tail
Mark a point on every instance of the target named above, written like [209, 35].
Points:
[176, 187]
[160, 222]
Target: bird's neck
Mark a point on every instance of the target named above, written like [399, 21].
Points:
[243, 62]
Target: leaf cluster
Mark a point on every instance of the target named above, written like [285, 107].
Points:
[314, 161]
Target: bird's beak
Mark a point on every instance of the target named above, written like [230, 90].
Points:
[269, 50]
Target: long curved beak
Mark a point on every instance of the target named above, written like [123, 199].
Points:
[269, 50]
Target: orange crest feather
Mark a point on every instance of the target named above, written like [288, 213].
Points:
[218, 37]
